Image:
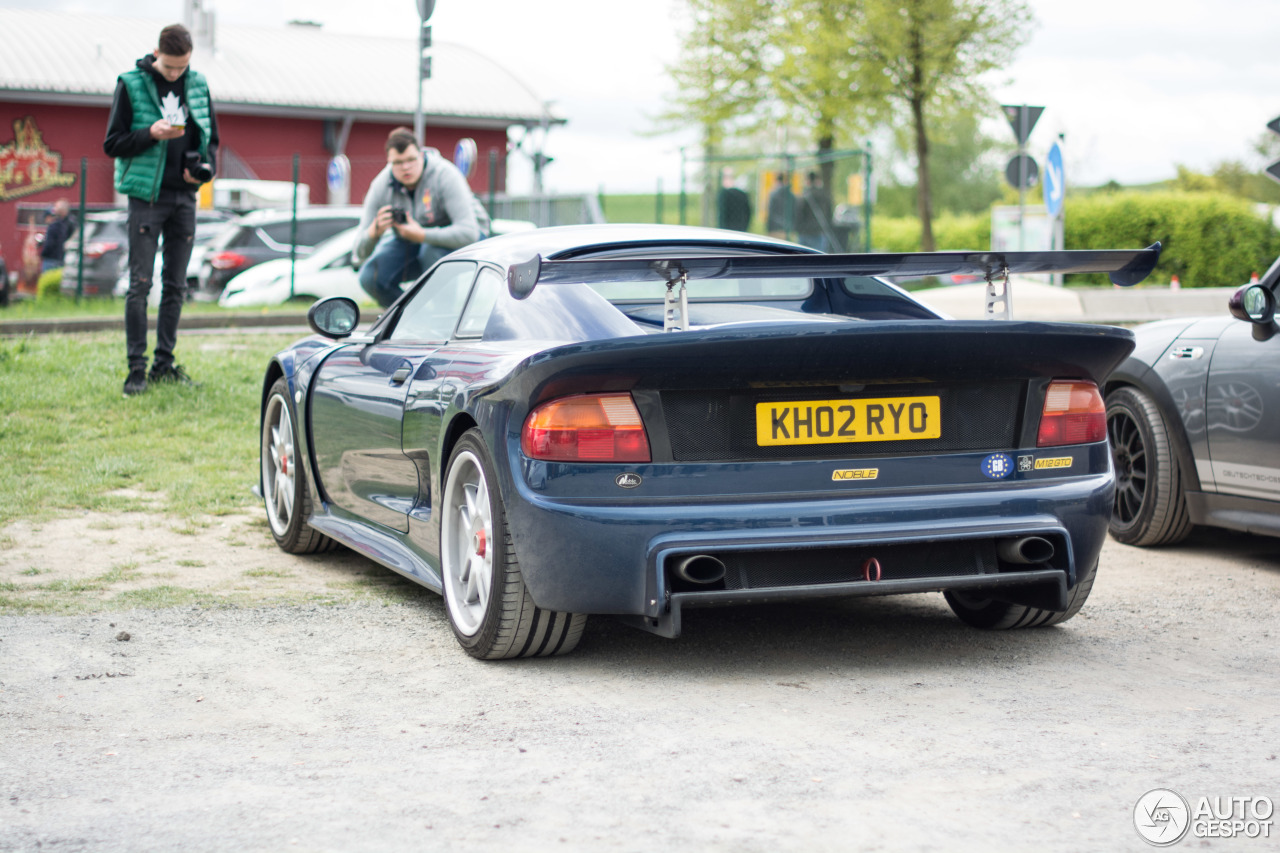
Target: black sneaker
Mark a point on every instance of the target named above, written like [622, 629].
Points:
[136, 383]
[169, 373]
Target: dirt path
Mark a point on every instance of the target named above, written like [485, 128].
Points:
[274, 703]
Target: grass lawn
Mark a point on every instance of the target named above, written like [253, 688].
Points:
[70, 439]
[61, 308]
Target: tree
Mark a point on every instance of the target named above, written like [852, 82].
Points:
[925, 58]
[964, 173]
[836, 67]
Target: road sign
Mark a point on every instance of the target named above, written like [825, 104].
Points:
[1273, 171]
[1013, 172]
[1022, 119]
[1055, 188]
[464, 155]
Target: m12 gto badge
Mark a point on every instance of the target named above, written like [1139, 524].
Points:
[628, 480]
[1030, 463]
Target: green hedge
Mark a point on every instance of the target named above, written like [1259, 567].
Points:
[1208, 239]
[951, 232]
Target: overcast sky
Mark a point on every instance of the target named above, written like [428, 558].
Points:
[1137, 86]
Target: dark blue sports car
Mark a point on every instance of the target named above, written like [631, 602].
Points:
[1194, 420]
[637, 420]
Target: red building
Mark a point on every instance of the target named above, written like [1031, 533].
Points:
[280, 93]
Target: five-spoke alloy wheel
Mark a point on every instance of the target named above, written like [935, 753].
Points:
[489, 607]
[284, 484]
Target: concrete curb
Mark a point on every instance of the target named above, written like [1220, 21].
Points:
[189, 323]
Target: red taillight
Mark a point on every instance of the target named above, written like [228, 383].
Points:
[100, 248]
[588, 428]
[227, 260]
[1073, 414]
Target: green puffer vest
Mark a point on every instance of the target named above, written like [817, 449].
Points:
[140, 176]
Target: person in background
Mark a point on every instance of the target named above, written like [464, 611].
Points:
[813, 218]
[60, 229]
[417, 210]
[4, 281]
[733, 205]
[781, 216]
[164, 138]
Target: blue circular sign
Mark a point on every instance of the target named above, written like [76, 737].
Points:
[464, 155]
[1055, 185]
[338, 173]
[997, 466]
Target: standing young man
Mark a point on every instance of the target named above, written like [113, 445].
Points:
[417, 210]
[164, 137]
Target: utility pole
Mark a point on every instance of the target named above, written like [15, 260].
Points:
[425, 8]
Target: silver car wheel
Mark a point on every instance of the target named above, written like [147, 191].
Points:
[279, 466]
[467, 546]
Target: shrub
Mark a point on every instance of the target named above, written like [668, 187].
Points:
[1207, 239]
[951, 232]
[49, 285]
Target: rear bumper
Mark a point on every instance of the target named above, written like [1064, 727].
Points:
[591, 557]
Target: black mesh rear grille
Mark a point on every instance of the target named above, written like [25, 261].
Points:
[807, 567]
[719, 425]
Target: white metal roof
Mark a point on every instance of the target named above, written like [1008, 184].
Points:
[284, 71]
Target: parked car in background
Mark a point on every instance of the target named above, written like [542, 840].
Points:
[327, 271]
[641, 420]
[107, 253]
[1194, 422]
[209, 224]
[265, 235]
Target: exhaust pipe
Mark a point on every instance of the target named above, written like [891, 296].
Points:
[699, 569]
[1027, 550]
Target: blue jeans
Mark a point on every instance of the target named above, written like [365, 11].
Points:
[394, 261]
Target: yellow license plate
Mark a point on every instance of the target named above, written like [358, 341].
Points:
[844, 421]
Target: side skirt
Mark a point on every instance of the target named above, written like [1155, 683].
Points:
[380, 545]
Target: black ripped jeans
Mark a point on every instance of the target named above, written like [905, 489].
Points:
[173, 217]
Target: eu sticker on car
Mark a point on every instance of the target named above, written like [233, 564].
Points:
[844, 421]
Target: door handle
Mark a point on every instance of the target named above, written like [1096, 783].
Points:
[401, 374]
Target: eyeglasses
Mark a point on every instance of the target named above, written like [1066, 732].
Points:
[403, 162]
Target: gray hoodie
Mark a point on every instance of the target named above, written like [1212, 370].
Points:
[442, 202]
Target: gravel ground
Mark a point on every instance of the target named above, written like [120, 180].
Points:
[340, 718]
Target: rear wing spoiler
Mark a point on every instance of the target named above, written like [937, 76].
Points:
[1125, 268]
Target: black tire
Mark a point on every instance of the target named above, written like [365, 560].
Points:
[490, 609]
[285, 493]
[1001, 616]
[1150, 505]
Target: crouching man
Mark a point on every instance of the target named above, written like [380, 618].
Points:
[417, 210]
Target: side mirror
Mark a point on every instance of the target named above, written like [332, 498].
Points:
[334, 317]
[1253, 303]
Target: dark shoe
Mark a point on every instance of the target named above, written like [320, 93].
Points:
[136, 383]
[169, 373]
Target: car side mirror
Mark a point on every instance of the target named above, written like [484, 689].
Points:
[334, 317]
[1255, 304]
